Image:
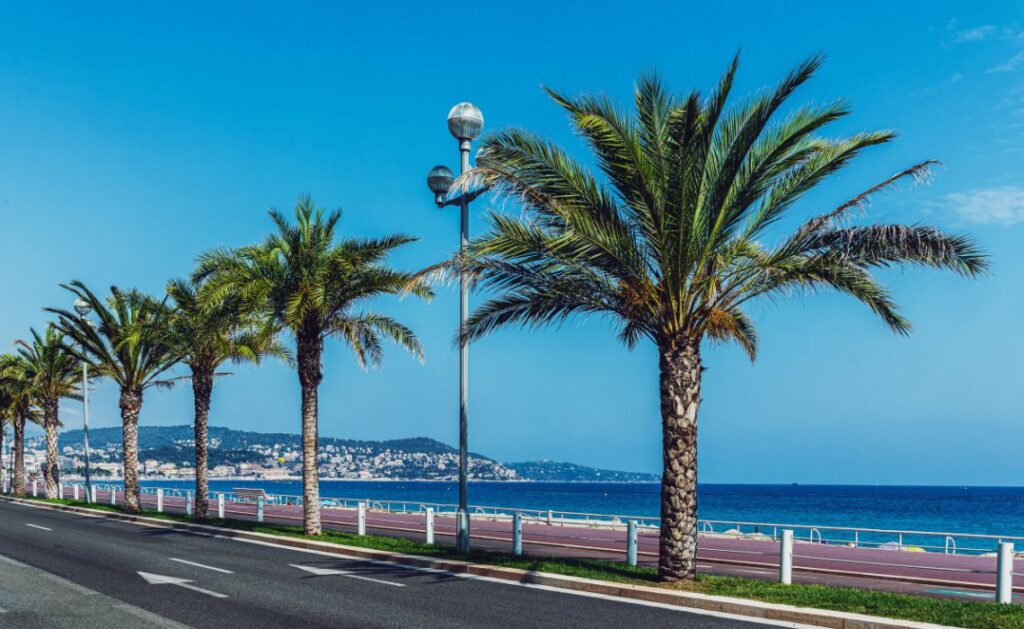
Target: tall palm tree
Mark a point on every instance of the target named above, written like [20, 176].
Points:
[314, 285]
[53, 372]
[16, 398]
[205, 336]
[129, 345]
[669, 240]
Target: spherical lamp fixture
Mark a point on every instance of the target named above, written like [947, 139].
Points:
[439, 180]
[465, 122]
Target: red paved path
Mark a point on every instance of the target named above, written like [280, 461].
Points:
[959, 576]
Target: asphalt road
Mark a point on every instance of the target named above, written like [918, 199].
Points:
[60, 569]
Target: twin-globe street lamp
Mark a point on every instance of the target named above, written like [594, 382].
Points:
[465, 122]
[83, 308]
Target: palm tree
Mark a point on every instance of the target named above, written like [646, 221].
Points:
[17, 404]
[129, 345]
[205, 336]
[668, 240]
[53, 373]
[312, 285]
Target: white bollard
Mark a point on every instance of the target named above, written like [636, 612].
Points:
[74, 492]
[92, 494]
[259, 509]
[631, 543]
[551, 518]
[786, 558]
[113, 495]
[220, 506]
[188, 503]
[517, 533]
[35, 489]
[60, 490]
[361, 518]
[159, 500]
[430, 525]
[1004, 573]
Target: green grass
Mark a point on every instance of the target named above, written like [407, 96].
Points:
[973, 614]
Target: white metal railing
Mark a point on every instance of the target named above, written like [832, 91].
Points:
[856, 537]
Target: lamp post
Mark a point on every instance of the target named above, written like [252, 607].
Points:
[465, 122]
[83, 308]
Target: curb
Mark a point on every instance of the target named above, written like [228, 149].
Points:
[692, 600]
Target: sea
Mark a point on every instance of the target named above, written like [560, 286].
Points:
[971, 510]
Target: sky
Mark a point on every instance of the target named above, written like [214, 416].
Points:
[133, 137]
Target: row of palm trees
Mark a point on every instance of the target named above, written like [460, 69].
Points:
[667, 240]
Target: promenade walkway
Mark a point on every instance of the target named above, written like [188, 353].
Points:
[963, 576]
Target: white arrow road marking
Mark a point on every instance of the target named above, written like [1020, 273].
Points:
[36, 526]
[160, 579]
[326, 572]
[200, 565]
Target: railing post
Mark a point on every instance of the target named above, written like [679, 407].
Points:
[517, 533]
[220, 506]
[92, 494]
[1004, 573]
[35, 489]
[259, 509]
[856, 539]
[631, 542]
[74, 492]
[160, 500]
[430, 525]
[188, 503]
[60, 490]
[113, 495]
[786, 558]
[361, 518]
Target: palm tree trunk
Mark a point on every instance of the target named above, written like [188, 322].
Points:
[131, 404]
[202, 391]
[19, 456]
[309, 348]
[50, 421]
[680, 370]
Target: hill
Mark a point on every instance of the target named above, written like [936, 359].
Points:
[168, 451]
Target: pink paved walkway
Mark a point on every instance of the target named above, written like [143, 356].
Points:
[958, 576]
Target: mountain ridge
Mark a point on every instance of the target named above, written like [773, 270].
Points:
[228, 446]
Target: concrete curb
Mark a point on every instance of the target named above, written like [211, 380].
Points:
[738, 606]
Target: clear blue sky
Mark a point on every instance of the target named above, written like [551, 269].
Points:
[133, 137]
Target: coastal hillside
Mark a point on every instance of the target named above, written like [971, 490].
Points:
[167, 452]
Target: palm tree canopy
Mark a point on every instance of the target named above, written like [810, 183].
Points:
[205, 333]
[17, 395]
[313, 282]
[668, 240]
[128, 344]
[51, 368]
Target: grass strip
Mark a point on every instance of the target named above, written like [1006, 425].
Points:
[971, 614]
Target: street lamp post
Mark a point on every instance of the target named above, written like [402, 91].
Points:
[83, 308]
[465, 122]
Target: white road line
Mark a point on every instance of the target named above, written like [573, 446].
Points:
[326, 572]
[13, 562]
[150, 617]
[81, 589]
[36, 526]
[161, 579]
[200, 565]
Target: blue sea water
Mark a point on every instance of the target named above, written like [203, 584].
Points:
[978, 510]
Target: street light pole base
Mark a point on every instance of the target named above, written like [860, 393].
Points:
[462, 531]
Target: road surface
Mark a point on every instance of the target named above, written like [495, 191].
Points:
[60, 569]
